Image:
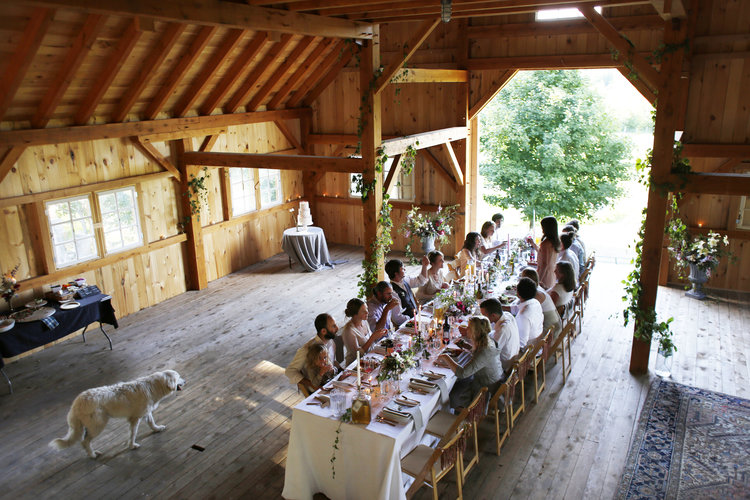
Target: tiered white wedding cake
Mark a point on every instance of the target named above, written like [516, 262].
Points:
[305, 217]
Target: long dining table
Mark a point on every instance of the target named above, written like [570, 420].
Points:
[367, 457]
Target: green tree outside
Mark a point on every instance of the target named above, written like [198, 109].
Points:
[548, 146]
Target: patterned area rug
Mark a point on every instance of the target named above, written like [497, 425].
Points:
[690, 443]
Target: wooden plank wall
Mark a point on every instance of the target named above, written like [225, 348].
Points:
[718, 111]
[153, 276]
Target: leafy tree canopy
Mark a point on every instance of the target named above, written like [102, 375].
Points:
[548, 145]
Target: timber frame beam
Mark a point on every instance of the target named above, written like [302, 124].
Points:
[220, 14]
[392, 147]
[275, 161]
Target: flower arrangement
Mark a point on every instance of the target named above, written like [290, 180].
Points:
[456, 302]
[430, 225]
[9, 285]
[395, 364]
[703, 250]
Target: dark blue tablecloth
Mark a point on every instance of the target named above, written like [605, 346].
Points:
[26, 336]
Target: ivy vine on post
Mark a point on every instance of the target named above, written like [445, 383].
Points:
[197, 193]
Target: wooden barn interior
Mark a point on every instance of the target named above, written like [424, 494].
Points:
[141, 98]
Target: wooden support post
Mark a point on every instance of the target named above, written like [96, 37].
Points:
[195, 262]
[41, 244]
[371, 139]
[458, 153]
[667, 115]
[309, 179]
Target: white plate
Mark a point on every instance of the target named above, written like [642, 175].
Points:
[35, 305]
[29, 315]
[70, 305]
[7, 324]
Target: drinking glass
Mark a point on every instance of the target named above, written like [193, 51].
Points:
[338, 402]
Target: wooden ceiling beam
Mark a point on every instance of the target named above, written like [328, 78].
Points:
[315, 76]
[409, 48]
[495, 88]
[73, 59]
[639, 85]
[728, 166]
[239, 66]
[310, 61]
[220, 14]
[561, 28]
[217, 59]
[330, 76]
[430, 75]
[116, 60]
[669, 9]
[716, 150]
[208, 143]
[562, 61]
[36, 137]
[280, 162]
[260, 69]
[392, 147]
[19, 62]
[626, 49]
[178, 72]
[710, 183]
[149, 151]
[453, 162]
[392, 173]
[8, 158]
[289, 135]
[280, 73]
[153, 60]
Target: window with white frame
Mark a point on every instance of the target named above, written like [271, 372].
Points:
[71, 224]
[403, 187]
[120, 223]
[354, 181]
[242, 189]
[270, 187]
[743, 218]
[559, 14]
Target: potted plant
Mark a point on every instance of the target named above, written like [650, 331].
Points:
[431, 228]
[9, 286]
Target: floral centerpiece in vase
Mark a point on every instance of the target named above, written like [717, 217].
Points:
[395, 365]
[9, 286]
[431, 228]
[456, 302]
[699, 254]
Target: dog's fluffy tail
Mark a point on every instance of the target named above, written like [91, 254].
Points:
[75, 433]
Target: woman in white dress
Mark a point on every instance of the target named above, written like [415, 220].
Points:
[356, 332]
[488, 239]
[562, 291]
[435, 279]
[468, 254]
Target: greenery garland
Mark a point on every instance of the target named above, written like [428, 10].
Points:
[197, 193]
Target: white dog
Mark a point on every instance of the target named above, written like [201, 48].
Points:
[133, 400]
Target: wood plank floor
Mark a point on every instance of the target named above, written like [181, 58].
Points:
[232, 341]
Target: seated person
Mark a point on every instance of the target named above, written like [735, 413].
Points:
[384, 308]
[576, 248]
[530, 317]
[567, 254]
[551, 317]
[577, 225]
[468, 255]
[504, 331]
[562, 291]
[488, 245]
[499, 238]
[326, 327]
[402, 284]
[435, 280]
[484, 368]
[318, 368]
[356, 332]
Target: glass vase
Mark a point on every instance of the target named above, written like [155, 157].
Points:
[663, 363]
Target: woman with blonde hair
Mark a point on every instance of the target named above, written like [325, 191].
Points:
[484, 368]
[488, 232]
[318, 368]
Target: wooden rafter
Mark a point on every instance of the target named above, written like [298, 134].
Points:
[428, 75]
[280, 73]
[116, 60]
[711, 183]
[287, 132]
[423, 140]
[178, 72]
[392, 173]
[310, 61]
[76, 54]
[330, 76]
[221, 14]
[213, 64]
[639, 85]
[409, 48]
[626, 49]
[8, 157]
[495, 88]
[19, 62]
[234, 73]
[155, 155]
[260, 69]
[561, 28]
[566, 61]
[328, 62]
[155, 58]
[669, 9]
[716, 150]
[453, 162]
[34, 137]
[728, 166]
[281, 162]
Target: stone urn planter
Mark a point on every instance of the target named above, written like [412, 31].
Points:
[698, 278]
[428, 244]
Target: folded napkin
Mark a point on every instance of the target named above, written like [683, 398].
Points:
[342, 385]
[323, 400]
[406, 402]
[50, 322]
[432, 376]
[423, 385]
[395, 415]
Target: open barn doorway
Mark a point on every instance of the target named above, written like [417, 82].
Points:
[526, 174]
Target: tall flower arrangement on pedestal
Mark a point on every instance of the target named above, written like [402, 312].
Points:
[435, 225]
[9, 286]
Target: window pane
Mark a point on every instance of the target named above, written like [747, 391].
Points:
[130, 236]
[62, 233]
[124, 199]
[121, 226]
[58, 212]
[127, 217]
[107, 202]
[112, 240]
[110, 221]
[270, 187]
[86, 248]
[83, 227]
[65, 254]
[80, 208]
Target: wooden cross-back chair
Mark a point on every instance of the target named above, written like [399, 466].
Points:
[500, 405]
[578, 310]
[476, 412]
[539, 356]
[521, 367]
[429, 465]
[562, 344]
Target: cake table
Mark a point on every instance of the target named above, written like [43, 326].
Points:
[308, 247]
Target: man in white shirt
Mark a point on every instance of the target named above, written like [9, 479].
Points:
[402, 284]
[504, 331]
[567, 254]
[530, 318]
[327, 329]
[384, 308]
[499, 237]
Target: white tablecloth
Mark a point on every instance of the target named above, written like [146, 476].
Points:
[368, 461]
[309, 247]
